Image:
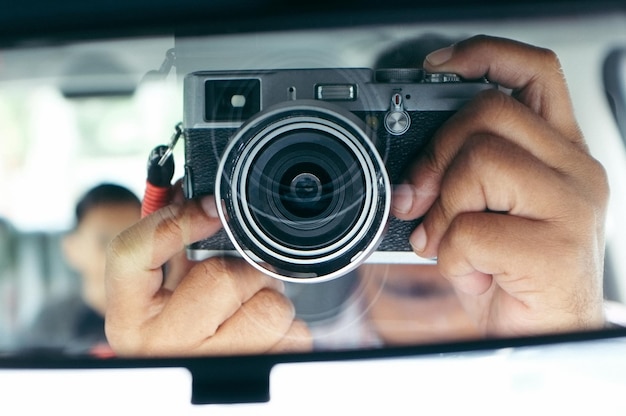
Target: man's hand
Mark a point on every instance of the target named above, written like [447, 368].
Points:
[514, 204]
[218, 306]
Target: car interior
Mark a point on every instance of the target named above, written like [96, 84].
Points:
[88, 90]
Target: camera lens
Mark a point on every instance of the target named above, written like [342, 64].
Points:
[306, 190]
[304, 193]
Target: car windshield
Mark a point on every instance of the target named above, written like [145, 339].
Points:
[308, 142]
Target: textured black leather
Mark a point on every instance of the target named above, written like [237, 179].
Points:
[204, 148]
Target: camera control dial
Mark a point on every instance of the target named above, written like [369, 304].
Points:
[442, 78]
[397, 121]
[399, 75]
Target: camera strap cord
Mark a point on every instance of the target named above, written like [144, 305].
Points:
[160, 172]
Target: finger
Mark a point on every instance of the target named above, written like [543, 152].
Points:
[179, 265]
[498, 114]
[491, 113]
[297, 339]
[258, 325]
[254, 328]
[516, 253]
[210, 294]
[178, 194]
[533, 73]
[134, 259]
[176, 269]
[490, 174]
[480, 244]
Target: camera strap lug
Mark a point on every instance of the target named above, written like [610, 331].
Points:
[159, 175]
[178, 131]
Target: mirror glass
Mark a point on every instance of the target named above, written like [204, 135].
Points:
[81, 118]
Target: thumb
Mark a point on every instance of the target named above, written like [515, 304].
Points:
[534, 74]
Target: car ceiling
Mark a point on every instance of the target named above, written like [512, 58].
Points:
[37, 21]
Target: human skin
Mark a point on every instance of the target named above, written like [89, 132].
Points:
[214, 307]
[413, 304]
[513, 204]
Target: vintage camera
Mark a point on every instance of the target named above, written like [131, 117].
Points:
[302, 162]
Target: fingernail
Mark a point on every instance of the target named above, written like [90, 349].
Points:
[402, 200]
[209, 207]
[418, 238]
[440, 56]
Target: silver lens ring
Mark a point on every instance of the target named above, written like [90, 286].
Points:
[266, 253]
[240, 185]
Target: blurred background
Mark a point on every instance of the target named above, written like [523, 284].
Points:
[77, 113]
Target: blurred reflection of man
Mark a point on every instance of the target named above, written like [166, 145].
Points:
[382, 304]
[413, 304]
[76, 324]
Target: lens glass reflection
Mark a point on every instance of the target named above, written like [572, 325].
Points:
[306, 189]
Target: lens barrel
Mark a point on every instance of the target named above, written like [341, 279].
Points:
[304, 194]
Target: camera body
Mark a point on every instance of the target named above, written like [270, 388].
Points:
[302, 162]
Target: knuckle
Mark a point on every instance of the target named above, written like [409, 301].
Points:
[123, 342]
[275, 303]
[591, 190]
[214, 274]
[297, 339]
[130, 339]
[300, 330]
[461, 233]
[600, 183]
[489, 107]
[491, 98]
[223, 266]
[214, 268]
[168, 220]
[228, 273]
[478, 148]
[272, 312]
[449, 200]
[149, 340]
[432, 160]
[465, 229]
[481, 156]
[482, 153]
[550, 58]
[489, 111]
[122, 249]
[476, 41]
[119, 245]
[481, 38]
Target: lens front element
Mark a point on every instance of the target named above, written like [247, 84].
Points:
[304, 191]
